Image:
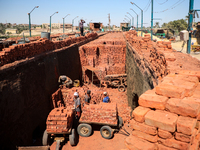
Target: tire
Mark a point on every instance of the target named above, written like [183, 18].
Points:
[84, 130]
[121, 88]
[45, 138]
[106, 132]
[120, 122]
[73, 138]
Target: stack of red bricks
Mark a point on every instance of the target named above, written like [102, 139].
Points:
[60, 120]
[168, 116]
[156, 53]
[107, 54]
[22, 51]
[105, 113]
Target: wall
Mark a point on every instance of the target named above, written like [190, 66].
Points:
[25, 90]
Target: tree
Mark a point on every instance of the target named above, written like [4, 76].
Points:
[157, 25]
[179, 25]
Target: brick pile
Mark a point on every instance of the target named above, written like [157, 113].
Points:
[105, 113]
[167, 117]
[22, 51]
[60, 120]
[107, 54]
[155, 53]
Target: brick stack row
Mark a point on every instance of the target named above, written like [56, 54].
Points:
[105, 113]
[22, 51]
[167, 117]
[60, 120]
[104, 54]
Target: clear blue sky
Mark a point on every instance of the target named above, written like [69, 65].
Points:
[15, 11]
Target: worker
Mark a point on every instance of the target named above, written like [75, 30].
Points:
[77, 104]
[64, 80]
[87, 97]
[81, 26]
[106, 99]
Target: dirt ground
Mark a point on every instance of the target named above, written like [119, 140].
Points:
[96, 141]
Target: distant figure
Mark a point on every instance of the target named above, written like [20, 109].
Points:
[77, 104]
[106, 99]
[81, 26]
[87, 97]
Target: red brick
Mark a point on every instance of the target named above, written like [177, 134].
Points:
[183, 107]
[170, 91]
[174, 143]
[162, 147]
[164, 134]
[161, 119]
[186, 125]
[135, 143]
[196, 93]
[183, 137]
[190, 73]
[145, 136]
[143, 127]
[153, 101]
[139, 113]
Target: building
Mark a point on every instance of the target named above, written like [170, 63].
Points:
[12, 31]
[95, 26]
[67, 26]
[123, 24]
[53, 25]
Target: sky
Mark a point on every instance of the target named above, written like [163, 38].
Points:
[16, 11]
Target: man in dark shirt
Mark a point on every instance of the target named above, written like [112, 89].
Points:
[87, 97]
[77, 104]
[81, 26]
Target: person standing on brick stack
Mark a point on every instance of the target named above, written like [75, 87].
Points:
[106, 99]
[87, 97]
[81, 26]
[77, 104]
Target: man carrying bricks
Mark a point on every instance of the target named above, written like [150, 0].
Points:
[106, 99]
[77, 104]
[87, 97]
[81, 26]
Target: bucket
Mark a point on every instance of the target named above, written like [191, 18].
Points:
[45, 35]
[76, 83]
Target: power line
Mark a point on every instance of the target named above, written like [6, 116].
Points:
[147, 7]
[147, 4]
[172, 7]
[161, 3]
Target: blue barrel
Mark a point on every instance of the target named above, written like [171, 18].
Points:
[45, 35]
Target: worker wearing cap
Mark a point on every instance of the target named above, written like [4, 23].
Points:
[87, 97]
[77, 104]
[106, 99]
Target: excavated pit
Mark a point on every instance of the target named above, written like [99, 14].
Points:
[27, 85]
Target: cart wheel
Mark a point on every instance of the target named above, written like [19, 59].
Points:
[73, 138]
[45, 138]
[84, 130]
[120, 121]
[121, 88]
[106, 132]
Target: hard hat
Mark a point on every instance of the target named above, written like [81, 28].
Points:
[104, 93]
[76, 94]
[88, 91]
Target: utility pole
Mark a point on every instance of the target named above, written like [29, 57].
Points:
[109, 20]
[190, 20]
[151, 19]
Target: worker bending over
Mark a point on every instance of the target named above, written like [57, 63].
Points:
[77, 104]
[106, 99]
[87, 97]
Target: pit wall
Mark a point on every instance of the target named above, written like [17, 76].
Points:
[25, 90]
[22, 51]
[145, 64]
